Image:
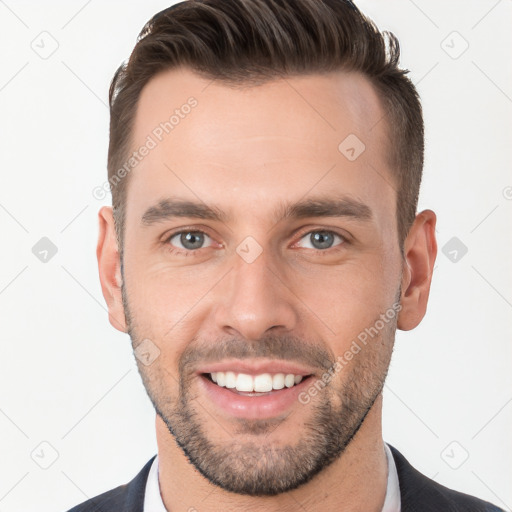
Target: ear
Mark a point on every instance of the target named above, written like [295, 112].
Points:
[109, 265]
[420, 250]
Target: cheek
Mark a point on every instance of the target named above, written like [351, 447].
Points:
[164, 305]
[161, 383]
[350, 299]
[157, 291]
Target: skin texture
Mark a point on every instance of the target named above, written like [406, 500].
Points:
[248, 152]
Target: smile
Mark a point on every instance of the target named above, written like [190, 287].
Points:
[253, 390]
[254, 385]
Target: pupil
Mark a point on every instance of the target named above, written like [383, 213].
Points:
[322, 239]
[192, 240]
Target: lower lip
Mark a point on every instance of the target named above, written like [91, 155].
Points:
[271, 405]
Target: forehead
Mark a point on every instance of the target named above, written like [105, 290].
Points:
[246, 147]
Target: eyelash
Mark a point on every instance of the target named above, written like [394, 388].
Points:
[191, 252]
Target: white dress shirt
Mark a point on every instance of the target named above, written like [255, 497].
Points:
[153, 500]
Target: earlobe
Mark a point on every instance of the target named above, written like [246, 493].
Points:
[420, 250]
[109, 267]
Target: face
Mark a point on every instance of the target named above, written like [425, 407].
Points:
[258, 254]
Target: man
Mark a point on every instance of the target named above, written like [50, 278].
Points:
[265, 160]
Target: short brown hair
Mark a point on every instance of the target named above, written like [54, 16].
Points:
[250, 42]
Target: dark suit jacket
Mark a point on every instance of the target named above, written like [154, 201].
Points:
[418, 494]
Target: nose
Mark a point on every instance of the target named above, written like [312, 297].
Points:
[254, 298]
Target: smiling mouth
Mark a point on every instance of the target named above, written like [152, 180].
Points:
[254, 385]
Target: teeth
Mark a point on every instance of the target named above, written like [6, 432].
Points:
[278, 381]
[244, 382]
[230, 379]
[221, 379]
[262, 383]
[289, 380]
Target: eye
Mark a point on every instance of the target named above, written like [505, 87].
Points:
[321, 239]
[189, 240]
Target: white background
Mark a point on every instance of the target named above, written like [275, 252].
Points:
[69, 379]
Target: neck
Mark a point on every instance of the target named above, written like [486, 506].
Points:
[357, 481]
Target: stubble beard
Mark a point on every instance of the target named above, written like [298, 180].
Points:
[248, 463]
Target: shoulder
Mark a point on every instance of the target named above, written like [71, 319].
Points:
[419, 493]
[128, 497]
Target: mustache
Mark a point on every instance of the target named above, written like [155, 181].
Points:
[280, 347]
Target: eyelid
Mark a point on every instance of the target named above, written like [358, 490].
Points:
[301, 233]
[185, 229]
[346, 237]
[329, 250]
[182, 251]
[190, 231]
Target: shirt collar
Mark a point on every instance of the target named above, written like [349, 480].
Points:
[392, 500]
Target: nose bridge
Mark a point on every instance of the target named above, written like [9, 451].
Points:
[252, 299]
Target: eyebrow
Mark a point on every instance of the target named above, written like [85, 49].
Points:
[326, 207]
[170, 208]
[343, 207]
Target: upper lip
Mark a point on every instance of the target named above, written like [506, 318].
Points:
[256, 367]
